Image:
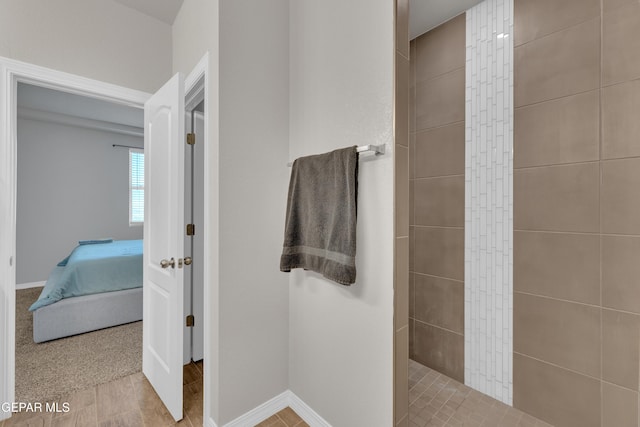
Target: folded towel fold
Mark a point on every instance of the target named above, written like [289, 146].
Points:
[320, 225]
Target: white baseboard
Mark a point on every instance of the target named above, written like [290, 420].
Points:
[310, 416]
[273, 406]
[30, 285]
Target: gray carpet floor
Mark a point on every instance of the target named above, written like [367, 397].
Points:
[51, 370]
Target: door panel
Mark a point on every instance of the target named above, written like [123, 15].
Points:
[163, 312]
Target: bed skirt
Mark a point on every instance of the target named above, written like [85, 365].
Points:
[77, 315]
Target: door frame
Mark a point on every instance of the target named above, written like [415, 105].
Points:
[12, 72]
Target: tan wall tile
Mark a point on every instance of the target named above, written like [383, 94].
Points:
[619, 406]
[441, 50]
[621, 44]
[557, 198]
[412, 204]
[555, 395]
[401, 125]
[620, 342]
[440, 151]
[565, 130]
[440, 302]
[559, 265]
[561, 64]
[440, 101]
[412, 329]
[440, 350]
[620, 207]
[609, 5]
[620, 124]
[621, 273]
[439, 252]
[412, 248]
[402, 27]
[534, 19]
[439, 201]
[401, 377]
[401, 312]
[559, 332]
[412, 295]
[402, 191]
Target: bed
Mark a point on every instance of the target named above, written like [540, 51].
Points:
[98, 285]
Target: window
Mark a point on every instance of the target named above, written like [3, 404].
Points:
[136, 187]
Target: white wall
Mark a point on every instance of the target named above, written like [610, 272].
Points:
[100, 39]
[249, 295]
[341, 92]
[72, 185]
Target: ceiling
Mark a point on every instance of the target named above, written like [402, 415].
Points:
[425, 15]
[163, 10]
[36, 98]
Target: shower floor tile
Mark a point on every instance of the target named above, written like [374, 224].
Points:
[436, 400]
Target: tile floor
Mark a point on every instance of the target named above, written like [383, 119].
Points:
[132, 402]
[436, 400]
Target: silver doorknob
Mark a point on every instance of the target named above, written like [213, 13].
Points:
[187, 260]
[164, 263]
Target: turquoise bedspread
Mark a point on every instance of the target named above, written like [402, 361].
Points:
[93, 269]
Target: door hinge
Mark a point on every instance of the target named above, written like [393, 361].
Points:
[191, 138]
[190, 320]
[191, 229]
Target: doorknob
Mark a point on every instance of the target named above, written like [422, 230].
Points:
[164, 263]
[187, 260]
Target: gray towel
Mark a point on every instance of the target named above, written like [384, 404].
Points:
[320, 227]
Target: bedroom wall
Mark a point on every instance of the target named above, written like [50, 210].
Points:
[72, 185]
[99, 39]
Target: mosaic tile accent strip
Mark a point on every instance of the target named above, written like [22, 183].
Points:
[489, 199]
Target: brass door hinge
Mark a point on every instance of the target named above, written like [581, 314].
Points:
[191, 229]
[190, 320]
[191, 138]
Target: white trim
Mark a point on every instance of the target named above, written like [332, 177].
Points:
[81, 122]
[262, 412]
[200, 74]
[275, 405]
[305, 411]
[12, 72]
[30, 285]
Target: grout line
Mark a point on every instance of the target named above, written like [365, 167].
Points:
[546, 362]
[439, 227]
[586, 162]
[432, 128]
[437, 277]
[544, 101]
[426, 178]
[436, 76]
[579, 233]
[438, 327]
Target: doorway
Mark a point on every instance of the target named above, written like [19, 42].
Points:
[14, 72]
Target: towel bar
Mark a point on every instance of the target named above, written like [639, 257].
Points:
[377, 149]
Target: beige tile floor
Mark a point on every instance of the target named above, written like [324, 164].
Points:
[132, 402]
[436, 400]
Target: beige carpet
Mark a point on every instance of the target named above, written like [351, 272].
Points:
[57, 368]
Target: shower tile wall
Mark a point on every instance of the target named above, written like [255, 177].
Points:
[436, 172]
[401, 194]
[577, 211]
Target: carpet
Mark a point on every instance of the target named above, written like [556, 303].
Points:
[54, 369]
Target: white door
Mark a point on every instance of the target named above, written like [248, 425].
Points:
[163, 315]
